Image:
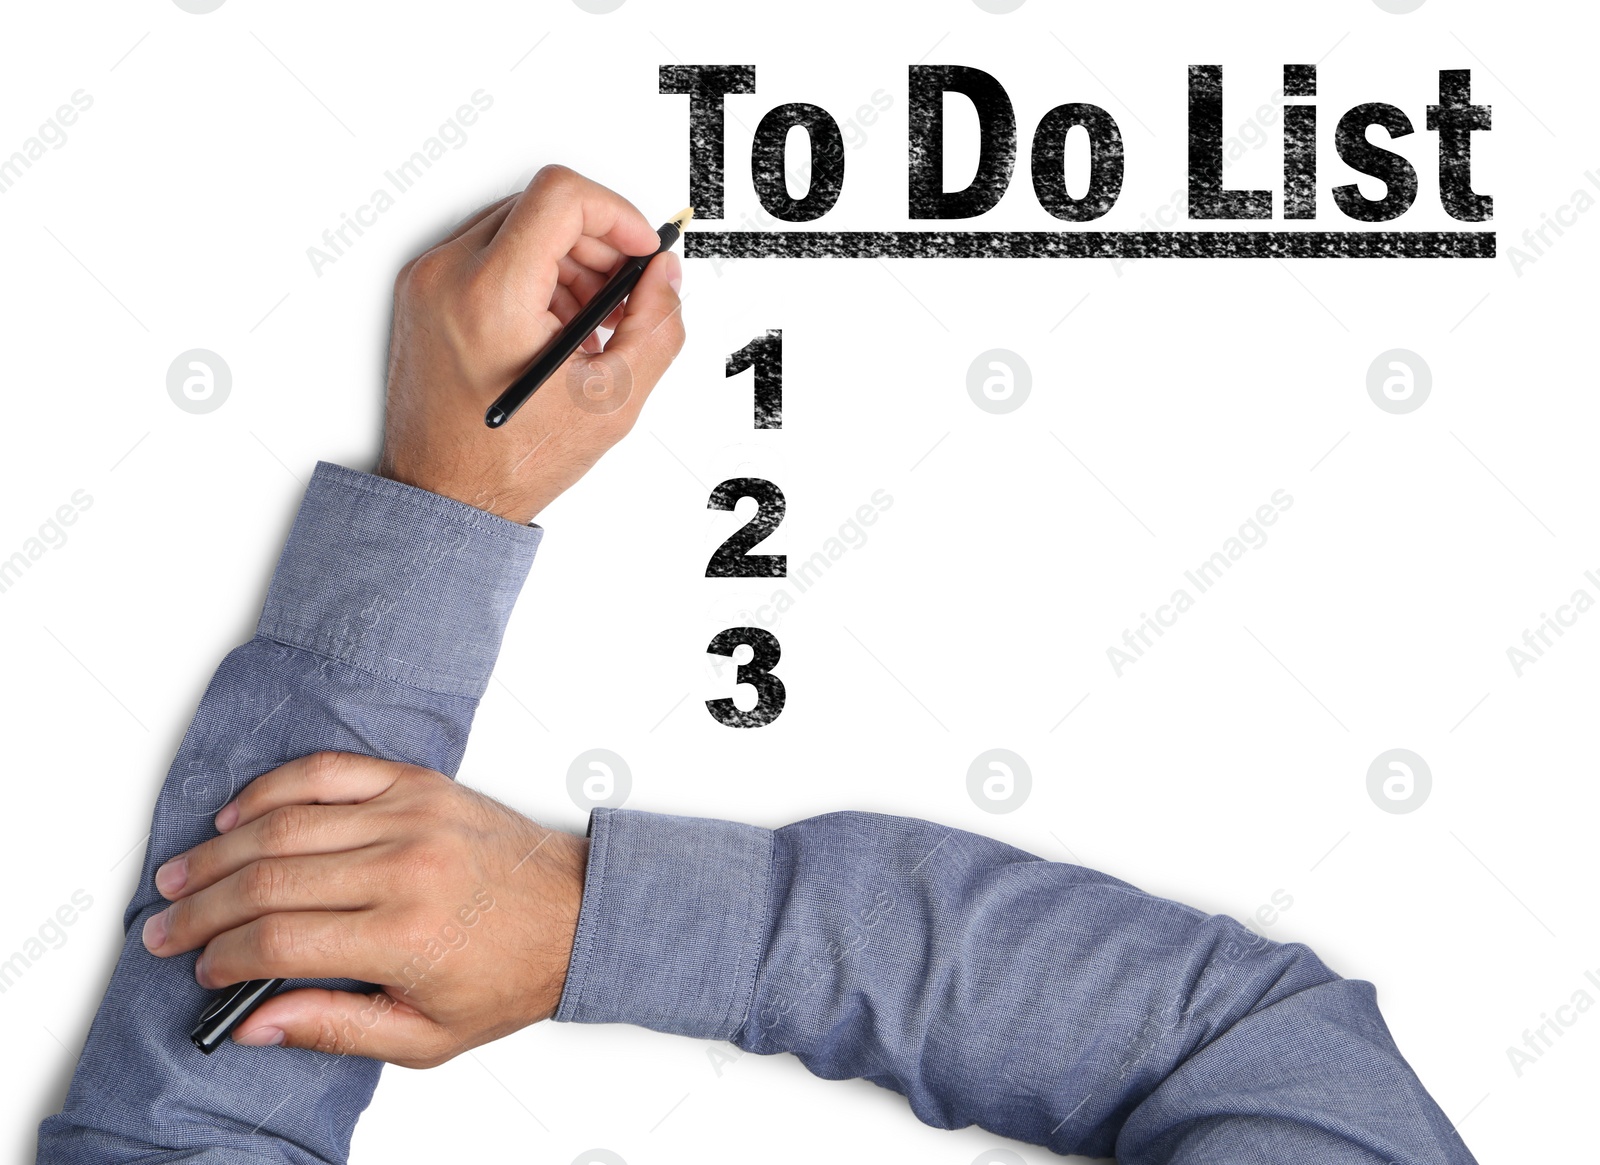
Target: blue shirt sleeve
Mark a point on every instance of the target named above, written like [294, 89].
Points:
[381, 627]
[1042, 1001]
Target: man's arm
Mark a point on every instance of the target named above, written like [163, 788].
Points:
[381, 627]
[380, 630]
[1042, 1001]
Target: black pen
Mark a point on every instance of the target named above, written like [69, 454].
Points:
[582, 326]
[228, 1009]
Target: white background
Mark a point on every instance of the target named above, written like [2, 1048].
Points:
[1171, 402]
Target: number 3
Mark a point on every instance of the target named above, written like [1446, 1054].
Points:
[770, 693]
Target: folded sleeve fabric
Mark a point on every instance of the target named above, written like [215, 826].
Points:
[1042, 1001]
[381, 627]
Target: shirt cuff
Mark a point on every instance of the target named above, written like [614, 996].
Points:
[398, 581]
[672, 926]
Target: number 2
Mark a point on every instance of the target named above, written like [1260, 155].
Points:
[733, 558]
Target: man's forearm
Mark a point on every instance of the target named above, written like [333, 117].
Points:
[1042, 1001]
[381, 627]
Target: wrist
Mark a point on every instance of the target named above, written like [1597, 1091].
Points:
[478, 491]
[567, 868]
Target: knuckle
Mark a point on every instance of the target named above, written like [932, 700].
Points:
[427, 274]
[403, 777]
[284, 828]
[180, 922]
[431, 782]
[554, 176]
[324, 769]
[264, 883]
[414, 931]
[425, 865]
[276, 940]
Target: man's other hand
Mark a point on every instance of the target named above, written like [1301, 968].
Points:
[462, 911]
[470, 315]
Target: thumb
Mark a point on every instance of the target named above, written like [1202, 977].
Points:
[378, 1026]
[650, 334]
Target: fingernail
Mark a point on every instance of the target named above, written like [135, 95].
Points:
[228, 817]
[260, 1037]
[200, 969]
[171, 877]
[674, 273]
[155, 931]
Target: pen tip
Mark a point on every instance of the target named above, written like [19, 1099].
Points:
[495, 417]
[682, 218]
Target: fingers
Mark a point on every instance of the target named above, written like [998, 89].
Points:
[292, 831]
[480, 226]
[650, 333]
[307, 944]
[586, 282]
[559, 209]
[273, 885]
[298, 808]
[323, 778]
[582, 280]
[564, 305]
[377, 1026]
[577, 285]
[597, 254]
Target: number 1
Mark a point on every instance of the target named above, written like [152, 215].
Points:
[765, 355]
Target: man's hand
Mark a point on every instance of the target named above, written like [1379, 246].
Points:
[341, 866]
[471, 314]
